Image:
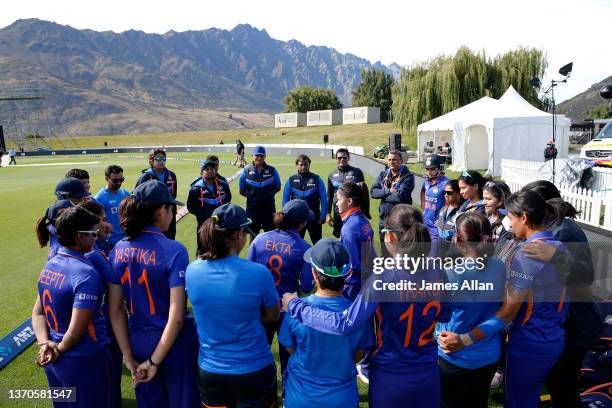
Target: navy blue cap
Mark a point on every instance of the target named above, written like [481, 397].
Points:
[154, 192]
[259, 150]
[54, 209]
[433, 161]
[296, 211]
[71, 187]
[329, 257]
[231, 216]
[205, 163]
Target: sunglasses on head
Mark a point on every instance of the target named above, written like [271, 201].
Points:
[466, 174]
[90, 233]
[160, 159]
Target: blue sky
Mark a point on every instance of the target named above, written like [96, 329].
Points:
[392, 31]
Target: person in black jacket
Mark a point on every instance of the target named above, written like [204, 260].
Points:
[393, 186]
[343, 174]
[158, 171]
[205, 194]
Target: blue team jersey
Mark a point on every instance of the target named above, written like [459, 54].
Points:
[147, 268]
[260, 186]
[310, 188]
[110, 201]
[404, 326]
[539, 323]
[227, 296]
[469, 308]
[434, 201]
[282, 252]
[101, 264]
[314, 379]
[356, 235]
[70, 281]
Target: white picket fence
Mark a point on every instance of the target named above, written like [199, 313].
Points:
[595, 206]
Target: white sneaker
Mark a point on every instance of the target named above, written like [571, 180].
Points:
[362, 375]
[497, 380]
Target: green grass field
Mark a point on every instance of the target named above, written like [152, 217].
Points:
[27, 191]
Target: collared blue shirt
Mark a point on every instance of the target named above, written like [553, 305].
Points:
[282, 252]
[315, 379]
[227, 296]
[110, 201]
[70, 281]
[260, 185]
[310, 188]
[147, 268]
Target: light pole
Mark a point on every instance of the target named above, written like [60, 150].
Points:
[566, 71]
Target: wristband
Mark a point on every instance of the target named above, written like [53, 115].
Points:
[466, 339]
[492, 325]
[152, 363]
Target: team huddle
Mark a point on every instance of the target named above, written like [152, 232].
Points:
[115, 288]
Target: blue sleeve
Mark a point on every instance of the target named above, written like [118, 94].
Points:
[277, 181]
[101, 264]
[269, 292]
[285, 336]
[228, 196]
[323, 197]
[367, 340]
[523, 272]
[352, 245]
[87, 290]
[378, 190]
[306, 278]
[192, 201]
[115, 276]
[340, 323]
[252, 253]
[177, 267]
[242, 181]
[287, 192]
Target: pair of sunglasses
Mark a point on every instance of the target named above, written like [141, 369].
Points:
[117, 181]
[160, 159]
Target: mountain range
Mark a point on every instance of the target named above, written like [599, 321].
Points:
[577, 107]
[134, 82]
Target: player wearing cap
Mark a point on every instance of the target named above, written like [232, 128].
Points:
[259, 182]
[214, 159]
[282, 251]
[403, 370]
[432, 192]
[393, 186]
[344, 173]
[159, 171]
[356, 235]
[67, 318]
[231, 297]
[313, 378]
[149, 279]
[310, 188]
[110, 197]
[205, 194]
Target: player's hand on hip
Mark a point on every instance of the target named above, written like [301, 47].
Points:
[286, 298]
[539, 250]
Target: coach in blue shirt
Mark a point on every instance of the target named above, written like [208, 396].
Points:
[309, 187]
[110, 197]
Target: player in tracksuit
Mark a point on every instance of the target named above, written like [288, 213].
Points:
[159, 171]
[259, 182]
[310, 188]
[282, 252]
[534, 305]
[432, 192]
[393, 186]
[356, 234]
[148, 278]
[67, 318]
[344, 173]
[205, 194]
[403, 367]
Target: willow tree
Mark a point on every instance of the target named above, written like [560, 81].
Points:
[445, 83]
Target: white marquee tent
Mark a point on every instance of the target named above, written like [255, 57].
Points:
[488, 130]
